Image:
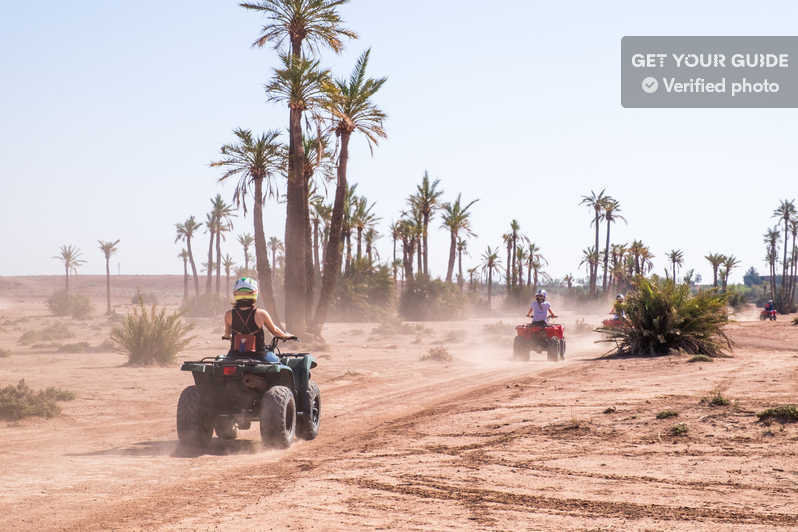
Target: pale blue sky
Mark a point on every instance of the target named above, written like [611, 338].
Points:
[111, 112]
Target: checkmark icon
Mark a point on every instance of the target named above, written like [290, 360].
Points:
[650, 85]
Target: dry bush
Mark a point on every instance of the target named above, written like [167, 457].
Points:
[77, 347]
[21, 401]
[65, 304]
[700, 358]
[782, 414]
[665, 414]
[50, 333]
[440, 354]
[716, 398]
[151, 337]
[680, 429]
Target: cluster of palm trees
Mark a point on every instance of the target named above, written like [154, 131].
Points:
[722, 265]
[319, 108]
[72, 259]
[603, 207]
[786, 230]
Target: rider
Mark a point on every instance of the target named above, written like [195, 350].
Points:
[540, 309]
[243, 324]
[770, 306]
[617, 307]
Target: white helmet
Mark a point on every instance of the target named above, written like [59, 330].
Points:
[619, 297]
[245, 288]
[541, 292]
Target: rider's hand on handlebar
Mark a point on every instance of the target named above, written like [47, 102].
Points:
[290, 337]
[227, 337]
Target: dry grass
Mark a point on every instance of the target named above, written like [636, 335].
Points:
[440, 354]
[665, 414]
[17, 402]
[782, 414]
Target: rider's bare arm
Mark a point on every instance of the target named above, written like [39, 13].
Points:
[228, 324]
[551, 312]
[263, 319]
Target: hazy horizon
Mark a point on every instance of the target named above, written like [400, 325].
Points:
[112, 118]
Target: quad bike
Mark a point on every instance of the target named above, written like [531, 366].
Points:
[230, 392]
[768, 315]
[549, 338]
[613, 323]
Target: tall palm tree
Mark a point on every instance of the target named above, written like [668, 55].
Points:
[108, 248]
[228, 264]
[426, 201]
[794, 261]
[457, 219]
[771, 238]
[514, 228]
[363, 219]
[471, 284]
[395, 235]
[715, 259]
[72, 258]
[210, 228]
[370, 237]
[507, 238]
[610, 215]
[246, 241]
[490, 264]
[275, 245]
[569, 282]
[589, 259]
[184, 256]
[462, 246]
[786, 211]
[596, 203]
[222, 213]
[350, 103]
[185, 232]
[729, 264]
[254, 160]
[676, 258]
[535, 261]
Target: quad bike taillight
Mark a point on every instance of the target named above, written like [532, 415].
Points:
[229, 370]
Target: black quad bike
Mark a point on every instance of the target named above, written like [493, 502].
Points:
[230, 392]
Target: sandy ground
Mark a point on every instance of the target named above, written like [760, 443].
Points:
[478, 443]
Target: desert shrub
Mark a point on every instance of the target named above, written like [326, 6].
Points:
[783, 414]
[663, 316]
[144, 298]
[440, 354]
[700, 358]
[21, 401]
[424, 300]
[679, 429]
[665, 414]
[206, 305]
[738, 296]
[364, 293]
[78, 347]
[62, 303]
[4, 353]
[610, 410]
[715, 398]
[50, 333]
[151, 336]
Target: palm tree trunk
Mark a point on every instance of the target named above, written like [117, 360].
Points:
[332, 253]
[266, 294]
[274, 263]
[529, 272]
[460, 269]
[308, 248]
[426, 245]
[66, 278]
[535, 281]
[594, 266]
[218, 261]
[606, 257]
[490, 285]
[194, 265]
[185, 279]
[316, 263]
[419, 255]
[246, 258]
[348, 251]
[394, 259]
[674, 272]
[359, 240]
[209, 279]
[108, 284]
[452, 248]
[507, 267]
[294, 271]
[784, 267]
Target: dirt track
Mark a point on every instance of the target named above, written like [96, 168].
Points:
[478, 443]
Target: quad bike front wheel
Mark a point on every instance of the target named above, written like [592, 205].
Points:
[308, 424]
[562, 348]
[520, 348]
[194, 425]
[278, 417]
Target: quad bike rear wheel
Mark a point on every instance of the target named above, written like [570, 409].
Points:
[553, 349]
[562, 348]
[278, 417]
[194, 425]
[308, 424]
[520, 348]
[226, 427]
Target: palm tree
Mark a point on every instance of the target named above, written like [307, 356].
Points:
[590, 259]
[457, 220]
[349, 102]
[535, 262]
[228, 264]
[462, 246]
[569, 282]
[597, 203]
[507, 238]
[786, 210]
[72, 258]
[108, 248]
[363, 219]
[184, 255]
[370, 237]
[275, 245]
[222, 213]
[794, 261]
[471, 284]
[514, 228]
[676, 258]
[729, 264]
[490, 264]
[185, 232]
[426, 201]
[210, 227]
[246, 241]
[610, 215]
[254, 160]
[715, 259]
[395, 235]
[772, 237]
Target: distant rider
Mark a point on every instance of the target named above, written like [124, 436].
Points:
[540, 310]
[770, 306]
[243, 324]
[617, 307]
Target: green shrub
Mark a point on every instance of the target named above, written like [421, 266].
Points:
[738, 296]
[783, 414]
[364, 293]
[679, 429]
[206, 305]
[663, 317]
[429, 300]
[62, 303]
[49, 333]
[20, 401]
[715, 398]
[700, 358]
[145, 298]
[151, 336]
[665, 414]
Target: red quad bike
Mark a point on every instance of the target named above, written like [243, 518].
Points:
[613, 323]
[768, 315]
[550, 339]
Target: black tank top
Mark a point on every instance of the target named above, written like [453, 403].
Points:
[244, 325]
